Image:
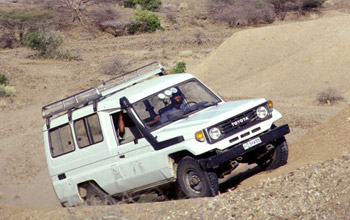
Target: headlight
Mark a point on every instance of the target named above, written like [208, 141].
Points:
[262, 112]
[214, 133]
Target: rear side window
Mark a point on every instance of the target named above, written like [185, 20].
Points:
[88, 131]
[61, 141]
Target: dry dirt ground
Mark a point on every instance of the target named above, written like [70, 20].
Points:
[288, 62]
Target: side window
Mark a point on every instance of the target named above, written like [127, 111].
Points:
[88, 131]
[61, 140]
[125, 128]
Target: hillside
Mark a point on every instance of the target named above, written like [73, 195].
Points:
[288, 62]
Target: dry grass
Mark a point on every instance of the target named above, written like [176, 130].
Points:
[3, 104]
[330, 96]
[115, 66]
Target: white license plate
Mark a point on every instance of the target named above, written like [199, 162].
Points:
[251, 143]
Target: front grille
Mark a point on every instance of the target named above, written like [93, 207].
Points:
[238, 123]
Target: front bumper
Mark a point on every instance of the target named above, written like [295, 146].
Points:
[238, 150]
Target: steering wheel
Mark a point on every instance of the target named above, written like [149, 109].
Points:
[191, 102]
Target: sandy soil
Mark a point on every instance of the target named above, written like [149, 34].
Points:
[288, 62]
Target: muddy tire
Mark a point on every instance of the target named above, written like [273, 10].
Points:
[96, 197]
[276, 158]
[195, 182]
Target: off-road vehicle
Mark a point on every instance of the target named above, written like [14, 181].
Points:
[145, 131]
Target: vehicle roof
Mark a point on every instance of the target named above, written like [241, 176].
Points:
[142, 90]
[134, 93]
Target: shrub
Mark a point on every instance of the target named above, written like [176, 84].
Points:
[329, 96]
[3, 80]
[143, 21]
[130, 3]
[6, 90]
[150, 5]
[180, 67]
[241, 12]
[312, 3]
[41, 41]
[47, 46]
[281, 7]
[62, 55]
[252, 12]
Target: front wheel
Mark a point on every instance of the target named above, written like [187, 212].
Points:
[194, 182]
[277, 157]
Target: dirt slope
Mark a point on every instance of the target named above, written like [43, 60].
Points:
[291, 61]
[288, 63]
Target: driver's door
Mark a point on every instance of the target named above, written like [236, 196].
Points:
[138, 162]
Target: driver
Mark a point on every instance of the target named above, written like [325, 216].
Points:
[176, 104]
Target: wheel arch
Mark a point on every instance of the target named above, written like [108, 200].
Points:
[82, 188]
[177, 156]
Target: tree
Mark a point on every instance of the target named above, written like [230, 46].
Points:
[77, 8]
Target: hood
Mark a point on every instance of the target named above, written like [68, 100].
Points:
[206, 117]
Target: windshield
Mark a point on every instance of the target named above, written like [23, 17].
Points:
[174, 103]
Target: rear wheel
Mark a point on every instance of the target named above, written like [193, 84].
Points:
[96, 196]
[278, 157]
[195, 182]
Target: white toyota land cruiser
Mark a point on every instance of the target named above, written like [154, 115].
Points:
[144, 130]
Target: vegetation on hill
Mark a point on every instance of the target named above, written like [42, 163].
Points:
[15, 24]
[180, 67]
[114, 16]
[5, 89]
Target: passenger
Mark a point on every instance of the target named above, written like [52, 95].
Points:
[125, 127]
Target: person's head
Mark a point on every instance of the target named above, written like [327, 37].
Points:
[176, 99]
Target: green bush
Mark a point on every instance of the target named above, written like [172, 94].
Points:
[180, 67]
[130, 3]
[47, 46]
[41, 41]
[150, 5]
[6, 90]
[312, 3]
[3, 80]
[143, 21]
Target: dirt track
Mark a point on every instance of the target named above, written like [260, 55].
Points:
[288, 63]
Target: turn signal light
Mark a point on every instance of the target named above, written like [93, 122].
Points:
[270, 104]
[199, 136]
